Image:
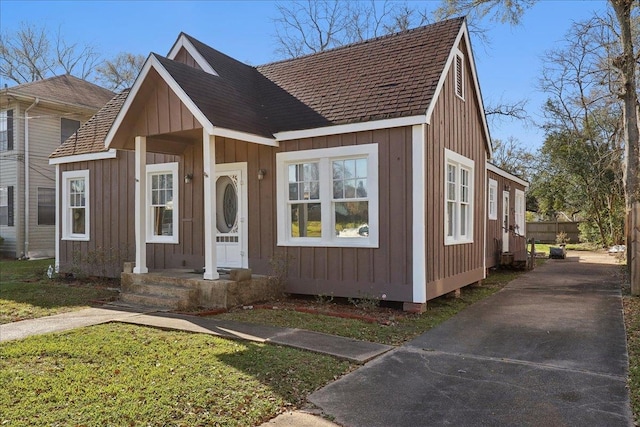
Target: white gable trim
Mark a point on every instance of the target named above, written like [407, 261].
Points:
[350, 128]
[84, 157]
[493, 168]
[153, 63]
[464, 32]
[183, 41]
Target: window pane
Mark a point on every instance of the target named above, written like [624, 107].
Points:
[463, 220]
[77, 221]
[361, 189]
[451, 215]
[292, 173]
[162, 221]
[349, 169]
[361, 168]
[306, 220]
[46, 206]
[314, 190]
[352, 219]
[338, 189]
[338, 169]
[350, 188]
[293, 191]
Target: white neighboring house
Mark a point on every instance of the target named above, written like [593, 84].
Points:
[35, 118]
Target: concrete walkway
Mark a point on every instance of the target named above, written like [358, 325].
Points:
[548, 350]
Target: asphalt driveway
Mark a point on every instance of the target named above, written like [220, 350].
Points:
[547, 350]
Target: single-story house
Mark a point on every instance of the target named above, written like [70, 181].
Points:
[506, 218]
[361, 169]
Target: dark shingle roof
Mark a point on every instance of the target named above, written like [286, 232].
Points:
[387, 77]
[66, 89]
[89, 138]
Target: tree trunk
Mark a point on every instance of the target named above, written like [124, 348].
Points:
[626, 64]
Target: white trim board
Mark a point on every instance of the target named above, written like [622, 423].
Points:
[493, 168]
[111, 154]
[183, 41]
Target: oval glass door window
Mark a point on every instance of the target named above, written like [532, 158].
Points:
[227, 205]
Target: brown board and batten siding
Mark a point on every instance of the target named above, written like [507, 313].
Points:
[517, 244]
[456, 124]
[364, 271]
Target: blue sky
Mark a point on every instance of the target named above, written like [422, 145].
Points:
[508, 68]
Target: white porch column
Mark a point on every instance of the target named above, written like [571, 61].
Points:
[141, 206]
[209, 159]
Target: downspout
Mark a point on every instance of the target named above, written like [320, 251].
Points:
[26, 179]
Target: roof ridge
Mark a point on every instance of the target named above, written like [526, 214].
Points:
[366, 41]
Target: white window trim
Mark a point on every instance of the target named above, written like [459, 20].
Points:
[324, 157]
[460, 162]
[520, 213]
[167, 168]
[66, 216]
[492, 210]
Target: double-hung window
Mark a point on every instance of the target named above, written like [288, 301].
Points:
[458, 198]
[6, 130]
[162, 203]
[328, 197]
[493, 199]
[6, 206]
[75, 202]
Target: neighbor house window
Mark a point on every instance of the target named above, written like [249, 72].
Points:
[459, 73]
[162, 203]
[6, 130]
[492, 201]
[75, 205]
[458, 198]
[67, 128]
[46, 206]
[6, 206]
[328, 197]
[520, 214]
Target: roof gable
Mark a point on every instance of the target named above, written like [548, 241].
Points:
[65, 89]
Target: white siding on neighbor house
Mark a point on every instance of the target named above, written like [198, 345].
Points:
[44, 137]
[11, 175]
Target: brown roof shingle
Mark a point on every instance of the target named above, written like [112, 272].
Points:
[89, 138]
[65, 89]
[387, 77]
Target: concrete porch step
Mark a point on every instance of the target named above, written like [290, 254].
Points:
[159, 289]
[153, 300]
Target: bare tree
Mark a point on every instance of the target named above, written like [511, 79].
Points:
[33, 53]
[25, 55]
[120, 72]
[310, 26]
[512, 156]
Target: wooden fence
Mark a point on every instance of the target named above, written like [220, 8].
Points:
[546, 231]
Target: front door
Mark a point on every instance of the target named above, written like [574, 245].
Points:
[231, 211]
[505, 221]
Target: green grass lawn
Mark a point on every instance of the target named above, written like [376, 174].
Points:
[125, 375]
[401, 329]
[26, 292]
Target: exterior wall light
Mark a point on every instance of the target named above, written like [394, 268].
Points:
[261, 174]
[188, 178]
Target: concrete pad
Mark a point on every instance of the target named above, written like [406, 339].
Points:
[549, 349]
[411, 387]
